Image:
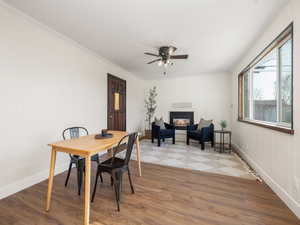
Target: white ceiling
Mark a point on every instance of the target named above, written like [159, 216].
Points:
[215, 33]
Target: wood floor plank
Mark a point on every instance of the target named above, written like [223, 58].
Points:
[164, 196]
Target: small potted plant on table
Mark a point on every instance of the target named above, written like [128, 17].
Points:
[223, 124]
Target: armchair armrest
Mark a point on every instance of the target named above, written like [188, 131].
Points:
[155, 130]
[169, 126]
[207, 132]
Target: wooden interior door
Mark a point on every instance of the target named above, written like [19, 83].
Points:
[116, 103]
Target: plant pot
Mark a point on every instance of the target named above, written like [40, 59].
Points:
[147, 134]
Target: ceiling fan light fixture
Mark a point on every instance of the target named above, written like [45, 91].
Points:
[171, 50]
[165, 56]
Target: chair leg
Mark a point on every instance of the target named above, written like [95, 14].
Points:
[212, 144]
[80, 177]
[173, 139]
[202, 146]
[158, 142]
[101, 178]
[130, 182]
[68, 176]
[111, 181]
[163, 140]
[117, 191]
[117, 196]
[187, 141]
[152, 139]
[95, 187]
[120, 184]
[98, 161]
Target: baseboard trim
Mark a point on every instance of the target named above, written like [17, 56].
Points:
[27, 182]
[282, 194]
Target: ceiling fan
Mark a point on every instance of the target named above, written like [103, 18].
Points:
[165, 55]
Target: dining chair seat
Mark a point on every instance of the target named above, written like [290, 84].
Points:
[117, 163]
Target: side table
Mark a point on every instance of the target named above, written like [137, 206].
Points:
[222, 144]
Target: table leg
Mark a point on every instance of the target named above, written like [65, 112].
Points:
[230, 142]
[220, 150]
[214, 142]
[50, 180]
[222, 142]
[138, 155]
[87, 189]
[223, 139]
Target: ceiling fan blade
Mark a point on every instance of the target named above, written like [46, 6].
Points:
[156, 60]
[179, 56]
[147, 53]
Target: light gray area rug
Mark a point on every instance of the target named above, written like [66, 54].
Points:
[192, 157]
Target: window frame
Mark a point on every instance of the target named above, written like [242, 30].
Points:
[286, 35]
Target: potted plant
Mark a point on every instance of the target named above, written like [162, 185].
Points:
[223, 124]
[150, 105]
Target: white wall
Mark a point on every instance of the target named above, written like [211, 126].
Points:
[48, 83]
[275, 155]
[210, 95]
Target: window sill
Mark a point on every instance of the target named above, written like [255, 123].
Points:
[269, 126]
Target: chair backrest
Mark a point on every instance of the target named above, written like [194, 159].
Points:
[74, 132]
[131, 138]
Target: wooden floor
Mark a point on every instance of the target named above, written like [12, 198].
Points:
[164, 196]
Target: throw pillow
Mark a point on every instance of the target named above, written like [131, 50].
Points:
[204, 123]
[160, 123]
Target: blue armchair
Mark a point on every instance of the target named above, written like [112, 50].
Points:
[206, 134]
[162, 134]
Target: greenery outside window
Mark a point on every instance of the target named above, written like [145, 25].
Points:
[266, 86]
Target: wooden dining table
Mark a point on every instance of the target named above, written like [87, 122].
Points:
[86, 146]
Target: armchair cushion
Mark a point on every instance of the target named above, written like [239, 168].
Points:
[166, 132]
[204, 123]
[160, 123]
[169, 126]
[194, 133]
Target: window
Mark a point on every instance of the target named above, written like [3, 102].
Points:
[265, 86]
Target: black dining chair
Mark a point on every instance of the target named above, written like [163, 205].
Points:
[116, 167]
[71, 133]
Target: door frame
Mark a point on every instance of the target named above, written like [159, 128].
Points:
[110, 76]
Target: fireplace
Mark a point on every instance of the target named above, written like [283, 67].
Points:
[181, 119]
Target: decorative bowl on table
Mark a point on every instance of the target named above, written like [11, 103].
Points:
[104, 134]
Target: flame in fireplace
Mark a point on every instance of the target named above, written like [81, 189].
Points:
[181, 122]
